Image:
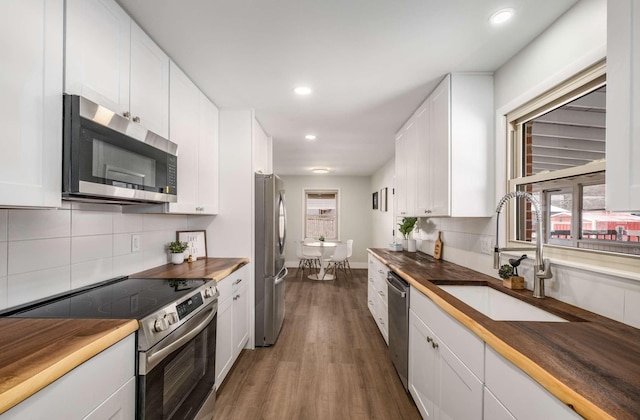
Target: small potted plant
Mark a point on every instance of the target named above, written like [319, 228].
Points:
[321, 239]
[508, 279]
[406, 227]
[177, 248]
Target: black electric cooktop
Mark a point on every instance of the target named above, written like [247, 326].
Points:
[123, 298]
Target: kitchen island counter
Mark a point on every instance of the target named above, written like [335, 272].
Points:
[590, 363]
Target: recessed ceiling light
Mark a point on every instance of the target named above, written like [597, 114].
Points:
[302, 90]
[501, 16]
[320, 170]
[310, 137]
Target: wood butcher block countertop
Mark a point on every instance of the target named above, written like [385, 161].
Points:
[591, 363]
[210, 268]
[36, 352]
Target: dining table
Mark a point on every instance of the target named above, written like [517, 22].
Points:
[326, 248]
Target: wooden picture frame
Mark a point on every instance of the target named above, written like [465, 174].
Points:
[375, 200]
[197, 240]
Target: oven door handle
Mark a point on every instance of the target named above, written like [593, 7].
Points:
[157, 356]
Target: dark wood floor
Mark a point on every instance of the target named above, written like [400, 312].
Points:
[330, 361]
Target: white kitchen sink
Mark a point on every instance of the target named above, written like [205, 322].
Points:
[499, 306]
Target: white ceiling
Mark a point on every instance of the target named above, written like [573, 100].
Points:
[369, 62]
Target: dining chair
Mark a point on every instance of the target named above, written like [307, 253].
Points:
[349, 254]
[337, 260]
[304, 261]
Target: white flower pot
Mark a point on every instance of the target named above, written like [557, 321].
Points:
[177, 258]
[405, 244]
[411, 245]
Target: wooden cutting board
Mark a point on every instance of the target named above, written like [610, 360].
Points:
[437, 251]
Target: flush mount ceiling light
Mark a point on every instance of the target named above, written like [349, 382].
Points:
[302, 90]
[501, 16]
[310, 137]
[320, 170]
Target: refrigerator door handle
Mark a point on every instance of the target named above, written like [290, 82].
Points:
[280, 279]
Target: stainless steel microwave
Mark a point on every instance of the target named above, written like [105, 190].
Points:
[108, 158]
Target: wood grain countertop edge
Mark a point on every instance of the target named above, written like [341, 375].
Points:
[25, 389]
[560, 390]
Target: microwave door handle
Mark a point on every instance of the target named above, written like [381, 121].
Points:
[157, 356]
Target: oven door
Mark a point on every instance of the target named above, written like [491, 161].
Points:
[176, 377]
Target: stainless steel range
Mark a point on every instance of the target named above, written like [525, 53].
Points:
[176, 338]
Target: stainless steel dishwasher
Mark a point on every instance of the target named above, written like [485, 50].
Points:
[398, 295]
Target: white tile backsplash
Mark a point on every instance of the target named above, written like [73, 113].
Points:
[3, 259]
[38, 224]
[632, 307]
[3, 224]
[89, 248]
[34, 285]
[39, 254]
[85, 223]
[127, 222]
[45, 252]
[3, 293]
[91, 272]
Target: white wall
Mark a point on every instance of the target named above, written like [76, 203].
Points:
[354, 214]
[575, 41]
[382, 222]
[45, 252]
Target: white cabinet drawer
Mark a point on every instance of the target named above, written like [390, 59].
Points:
[520, 394]
[465, 344]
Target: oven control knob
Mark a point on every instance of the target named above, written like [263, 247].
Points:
[209, 292]
[161, 324]
[172, 318]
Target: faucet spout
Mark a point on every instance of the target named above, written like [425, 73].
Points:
[542, 268]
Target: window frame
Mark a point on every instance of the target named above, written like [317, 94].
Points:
[338, 219]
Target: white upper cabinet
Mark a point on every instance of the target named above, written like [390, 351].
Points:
[112, 62]
[194, 128]
[31, 106]
[623, 105]
[448, 163]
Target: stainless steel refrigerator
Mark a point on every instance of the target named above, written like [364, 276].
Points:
[271, 232]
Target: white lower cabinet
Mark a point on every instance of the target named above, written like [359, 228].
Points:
[441, 385]
[493, 409]
[103, 387]
[377, 298]
[232, 331]
[518, 393]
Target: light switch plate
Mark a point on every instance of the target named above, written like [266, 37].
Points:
[135, 242]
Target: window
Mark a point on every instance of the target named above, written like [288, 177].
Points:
[558, 149]
[321, 214]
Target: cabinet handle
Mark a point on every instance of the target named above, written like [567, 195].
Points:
[136, 119]
[381, 293]
[237, 282]
[381, 321]
[236, 297]
[381, 272]
[429, 339]
[126, 114]
[434, 345]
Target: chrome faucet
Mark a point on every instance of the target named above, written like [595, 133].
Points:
[542, 267]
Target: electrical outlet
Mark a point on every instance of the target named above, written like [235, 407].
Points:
[135, 242]
[486, 245]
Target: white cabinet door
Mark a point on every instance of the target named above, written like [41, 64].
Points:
[460, 392]
[493, 409]
[623, 105]
[149, 94]
[423, 159]
[400, 183]
[208, 168]
[120, 405]
[98, 51]
[31, 106]
[224, 338]
[422, 367]
[439, 161]
[184, 132]
[240, 318]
